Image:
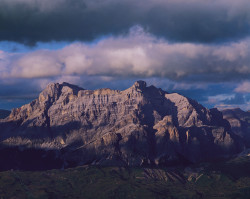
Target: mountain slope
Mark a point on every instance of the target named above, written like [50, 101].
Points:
[138, 126]
[4, 113]
[240, 123]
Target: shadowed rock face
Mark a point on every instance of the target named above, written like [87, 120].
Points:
[138, 126]
[240, 123]
[4, 113]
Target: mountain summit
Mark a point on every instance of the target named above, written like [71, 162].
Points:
[138, 126]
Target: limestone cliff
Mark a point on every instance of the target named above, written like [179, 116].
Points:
[137, 126]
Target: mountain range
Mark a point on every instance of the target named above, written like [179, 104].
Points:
[143, 125]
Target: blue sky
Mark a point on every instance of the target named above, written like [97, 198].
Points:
[197, 48]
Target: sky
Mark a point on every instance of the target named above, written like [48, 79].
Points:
[200, 49]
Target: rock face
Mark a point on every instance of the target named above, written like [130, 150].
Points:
[240, 123]
[4, 113]
[138, 126]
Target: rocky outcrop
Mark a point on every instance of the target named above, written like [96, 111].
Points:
[240, 123]
[137, 126]
[4, 113]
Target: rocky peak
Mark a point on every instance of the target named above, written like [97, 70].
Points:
[140, 85]
[54, 90]
[51, 91]
[188, 111]
[71, 88]
[140, 125]
[140, 90]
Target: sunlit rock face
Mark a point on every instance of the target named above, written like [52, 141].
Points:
[240, 123]
[137, 126]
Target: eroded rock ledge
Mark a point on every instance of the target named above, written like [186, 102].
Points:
[137, 126]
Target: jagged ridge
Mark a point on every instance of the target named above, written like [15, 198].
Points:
[140, 125]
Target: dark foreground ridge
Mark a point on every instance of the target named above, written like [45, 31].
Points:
[225, 180]
[69, 126]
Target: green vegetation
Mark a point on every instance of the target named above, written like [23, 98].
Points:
[229, 179]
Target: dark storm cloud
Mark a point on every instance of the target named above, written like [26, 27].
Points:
[30, 21]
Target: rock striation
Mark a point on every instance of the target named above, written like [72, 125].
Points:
[142, 125]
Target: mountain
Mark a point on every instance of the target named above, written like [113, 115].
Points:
[240, 123]
[4, 113]
[137, 126]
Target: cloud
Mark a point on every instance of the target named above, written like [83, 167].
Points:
[236, 99]
[138, 55]
[31, 21]
[36, 65]
[243, 88]
[199, 71]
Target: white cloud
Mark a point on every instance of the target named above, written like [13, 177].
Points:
[138, 54]
[245, 107]
[36, 65]
[243, 88]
